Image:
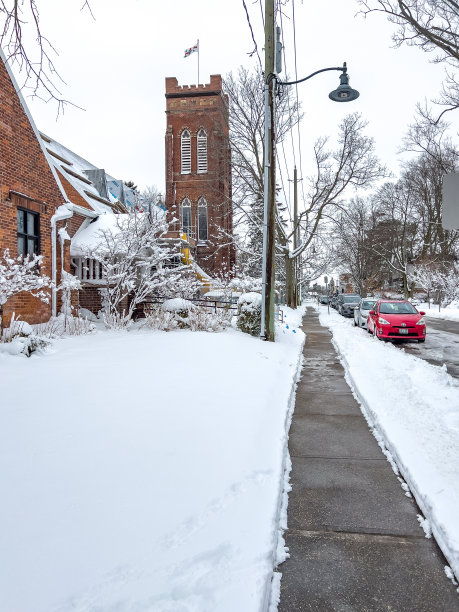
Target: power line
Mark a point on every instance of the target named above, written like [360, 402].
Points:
[296, 91]
[253, 37]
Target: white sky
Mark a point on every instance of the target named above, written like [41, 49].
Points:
[115, 68]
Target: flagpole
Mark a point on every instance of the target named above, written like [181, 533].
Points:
[198, 61]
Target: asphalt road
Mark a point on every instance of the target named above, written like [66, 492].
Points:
[441, 345]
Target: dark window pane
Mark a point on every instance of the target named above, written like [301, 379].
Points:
[21, 245]
[21, 224]
[186, 219]
[31, 246]
[202, 220]
[30, 224]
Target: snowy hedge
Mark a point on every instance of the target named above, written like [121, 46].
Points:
[249, 313]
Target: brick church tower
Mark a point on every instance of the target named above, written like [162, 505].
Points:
[198, 171]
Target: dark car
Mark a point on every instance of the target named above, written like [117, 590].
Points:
[324, 299]
[347, 302]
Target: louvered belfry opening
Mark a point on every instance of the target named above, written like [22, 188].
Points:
[202, 151]
[186, 152]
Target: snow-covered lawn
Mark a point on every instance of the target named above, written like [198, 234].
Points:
[144, 471]
[450, 313]
[414, 406]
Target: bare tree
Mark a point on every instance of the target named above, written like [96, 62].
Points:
[431, 25]
[436, 155]
[246, 117]
[21, 23]
[353, 243]
[353, 164]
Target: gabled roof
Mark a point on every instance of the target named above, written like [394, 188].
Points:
[74, 169]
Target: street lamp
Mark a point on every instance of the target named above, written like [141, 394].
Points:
[343, 93]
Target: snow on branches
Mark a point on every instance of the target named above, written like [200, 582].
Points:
[21, 274]
[134, 263]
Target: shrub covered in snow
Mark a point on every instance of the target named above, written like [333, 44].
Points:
[181, 310]
[21, 338]
[21, 274]
[177, 315]
[249, 313]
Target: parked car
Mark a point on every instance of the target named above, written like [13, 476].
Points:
[396, 319]
[347, 302]
[361, 312]
[334, 302]
[324, 299]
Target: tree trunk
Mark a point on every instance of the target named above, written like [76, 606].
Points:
[1, 322]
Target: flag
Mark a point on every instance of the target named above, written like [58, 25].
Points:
[191, 50]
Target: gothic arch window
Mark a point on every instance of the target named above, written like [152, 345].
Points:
[185, 217]
[185, 141]
[202, 151]
[202, 219]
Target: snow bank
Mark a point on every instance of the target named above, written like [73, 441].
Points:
[147, 473]
[450, 313]
[415, 406]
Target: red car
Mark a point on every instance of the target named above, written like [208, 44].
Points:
[396, 319]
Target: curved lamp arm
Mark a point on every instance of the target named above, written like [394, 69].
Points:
[343, 68]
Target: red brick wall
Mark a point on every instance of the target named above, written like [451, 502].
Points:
[23, 168]
[191, 107]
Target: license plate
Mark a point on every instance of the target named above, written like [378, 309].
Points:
[402, 331]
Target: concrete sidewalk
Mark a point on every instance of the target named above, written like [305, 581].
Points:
[354, 539]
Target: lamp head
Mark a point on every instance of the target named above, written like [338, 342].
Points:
[344, 92]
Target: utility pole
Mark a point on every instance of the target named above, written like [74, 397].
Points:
[295, 236]
[269, 221]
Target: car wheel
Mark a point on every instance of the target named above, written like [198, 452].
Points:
[421, 340]
[375, 334]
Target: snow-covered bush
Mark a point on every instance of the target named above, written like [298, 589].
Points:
[440, 279]
[201, 319]
[21, 274]
[181, 309]
[21, 338]
[249, 313]
[195, 319]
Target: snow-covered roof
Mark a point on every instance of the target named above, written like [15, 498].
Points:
[90, 238]
[74, 169]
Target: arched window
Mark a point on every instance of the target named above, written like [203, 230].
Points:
[186, 217]
[186, 152]
[202, 151]
[202, 219]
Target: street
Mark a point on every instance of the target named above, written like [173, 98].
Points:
[441, 345]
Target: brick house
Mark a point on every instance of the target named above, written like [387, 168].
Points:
[41, 192]
[198, 171]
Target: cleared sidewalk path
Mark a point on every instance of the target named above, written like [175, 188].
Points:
[354, 538]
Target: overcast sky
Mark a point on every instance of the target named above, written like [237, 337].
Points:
[115, 67]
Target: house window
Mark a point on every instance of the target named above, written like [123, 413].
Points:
[186, 217]
[28, 232]
[186, 152]
[202, 152]
[202, 219]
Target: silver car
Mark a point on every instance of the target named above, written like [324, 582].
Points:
[361, 312]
